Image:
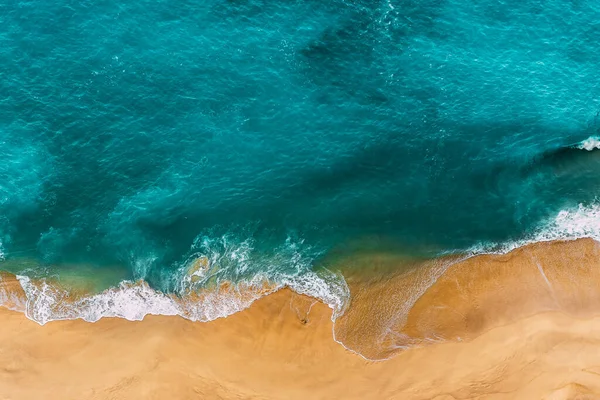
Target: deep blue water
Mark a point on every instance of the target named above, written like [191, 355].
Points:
[145, 133]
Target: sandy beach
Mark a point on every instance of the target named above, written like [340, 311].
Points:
[299, 200]
[491, 327]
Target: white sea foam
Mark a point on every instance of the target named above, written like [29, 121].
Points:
[9, 298]
[132, 301]
[202, 287]
[589, 144]
[45, 302]
[570, 224]
[329, 287]
[583, 221]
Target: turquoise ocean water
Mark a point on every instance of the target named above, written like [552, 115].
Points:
[139, 136]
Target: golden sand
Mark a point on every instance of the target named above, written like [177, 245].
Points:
[517, 326]
[471, 296]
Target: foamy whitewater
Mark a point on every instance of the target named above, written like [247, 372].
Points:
[590, 144]
[580, 222]
[134, 300]
[199, 296]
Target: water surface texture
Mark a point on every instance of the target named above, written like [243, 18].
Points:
[138, 136]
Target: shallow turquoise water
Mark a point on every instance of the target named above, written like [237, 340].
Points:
[144, 134]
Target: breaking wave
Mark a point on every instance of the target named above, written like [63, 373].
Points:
[582, 221]
[589, 144]
[222, 276]
[43, 301]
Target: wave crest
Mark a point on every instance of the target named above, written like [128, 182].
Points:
[589, 144]
[579, 222]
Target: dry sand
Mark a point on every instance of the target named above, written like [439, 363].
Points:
[518, 326]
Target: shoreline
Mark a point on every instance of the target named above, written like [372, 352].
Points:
[452, 299]
[273, 351]
[472, 331]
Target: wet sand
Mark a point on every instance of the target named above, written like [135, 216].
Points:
[525, 325]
